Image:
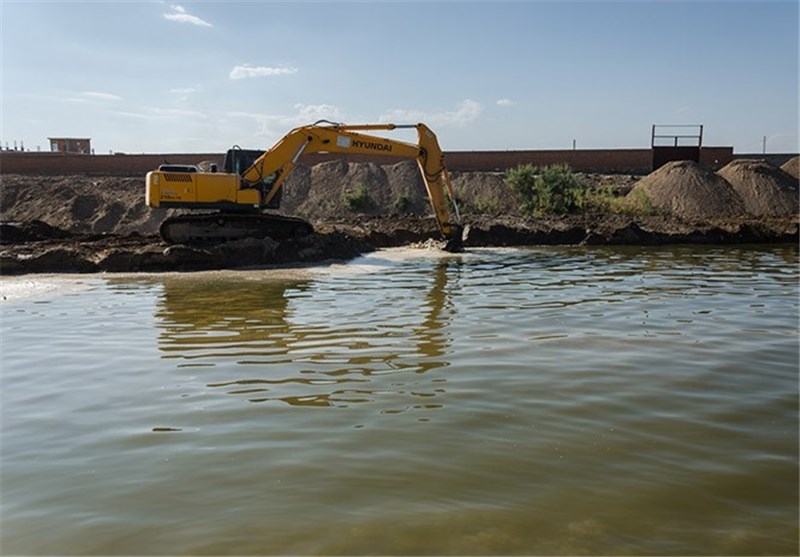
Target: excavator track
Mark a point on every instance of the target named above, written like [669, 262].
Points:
[224, 227]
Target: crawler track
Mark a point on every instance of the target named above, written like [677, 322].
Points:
[223, 227]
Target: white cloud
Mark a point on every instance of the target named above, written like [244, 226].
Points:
[155, 113]
[273, 126]
[466, 112]
[175, 113]
[179, 14]
[506, 102]
[247, 70]
[186, 90]
[310, 113]
[128, 114]
[96, 95]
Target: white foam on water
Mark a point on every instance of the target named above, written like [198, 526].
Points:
[17, 289]
[379, 261]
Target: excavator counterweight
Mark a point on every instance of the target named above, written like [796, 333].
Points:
[252, 182]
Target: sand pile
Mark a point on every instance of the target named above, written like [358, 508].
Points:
[765, 190]
[84, 204]
[329, 189]
[485, 193]
[687, 190]
[79, 203]
[792, 167]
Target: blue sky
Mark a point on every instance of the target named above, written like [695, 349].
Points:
[159, 77]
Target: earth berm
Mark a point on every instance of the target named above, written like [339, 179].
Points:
[90, 224]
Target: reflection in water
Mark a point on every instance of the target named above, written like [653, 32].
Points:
[595, 401]
[314, 343]
[203, 318]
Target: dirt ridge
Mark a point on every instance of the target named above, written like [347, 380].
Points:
[35, 247]
[101, 224]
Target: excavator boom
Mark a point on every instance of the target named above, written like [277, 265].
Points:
[258, 185]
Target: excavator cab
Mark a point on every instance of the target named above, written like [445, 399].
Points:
[238, 160]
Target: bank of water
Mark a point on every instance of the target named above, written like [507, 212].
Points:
[535, 401]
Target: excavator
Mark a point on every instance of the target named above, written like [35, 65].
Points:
[252, 180]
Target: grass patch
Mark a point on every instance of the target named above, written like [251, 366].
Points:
[481, 204]
[403, 202]
[636, 203]
[358, 198]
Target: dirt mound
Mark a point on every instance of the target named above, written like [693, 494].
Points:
[687, 190]
[765, 189]
[79, 203]
[792, 167]
[337, 189]
[485, 193]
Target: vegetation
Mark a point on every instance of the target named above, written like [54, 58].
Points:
[556, 189]
[637, 203]
[553, 189]
[481, 204]
[358, 198]
[403, 202]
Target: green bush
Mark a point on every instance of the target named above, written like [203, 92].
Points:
[556, 189]
[358, 198]
[550, 189]
[403, 202]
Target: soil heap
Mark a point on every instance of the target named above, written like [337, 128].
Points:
[96, 224]
[687, 190]
[792, 167]
[80, 204]
[338, 189]
[765, 190]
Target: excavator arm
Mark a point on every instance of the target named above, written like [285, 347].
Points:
[342, 138]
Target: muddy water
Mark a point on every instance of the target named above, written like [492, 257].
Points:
[541, 401]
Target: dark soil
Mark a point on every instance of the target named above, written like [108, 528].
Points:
[35, 247]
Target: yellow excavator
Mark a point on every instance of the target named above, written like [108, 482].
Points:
[251, 182]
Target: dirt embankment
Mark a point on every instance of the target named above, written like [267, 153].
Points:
[92, 224]
[792, 167]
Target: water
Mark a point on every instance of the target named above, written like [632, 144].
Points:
[533, 401]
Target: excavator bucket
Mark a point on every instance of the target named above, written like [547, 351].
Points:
[455, 243]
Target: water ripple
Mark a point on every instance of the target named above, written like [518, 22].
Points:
[540, 401]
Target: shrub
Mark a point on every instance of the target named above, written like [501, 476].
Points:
[403, 202]
[358, 198]
[550, 189]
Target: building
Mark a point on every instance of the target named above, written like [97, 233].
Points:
[70, 145]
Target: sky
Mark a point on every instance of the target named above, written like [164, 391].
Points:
[199, 77]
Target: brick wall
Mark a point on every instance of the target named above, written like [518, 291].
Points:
[43, 163]
[777, 159]
[633, 161]
[629, 161]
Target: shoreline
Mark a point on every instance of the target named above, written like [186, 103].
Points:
[34, 247]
